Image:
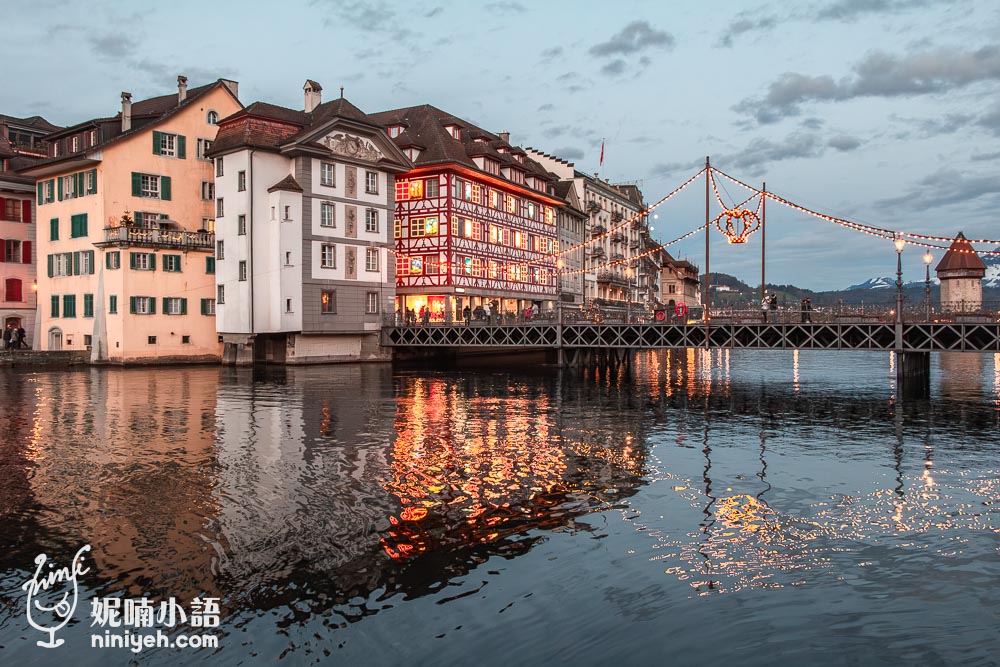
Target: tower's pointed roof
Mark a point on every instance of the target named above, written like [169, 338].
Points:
[961, 256]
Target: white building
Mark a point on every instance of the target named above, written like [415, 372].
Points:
[304, 213]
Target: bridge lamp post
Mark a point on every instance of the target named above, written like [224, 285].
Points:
[928, 258]
[899, 243]
[628, 296]
[559, 267]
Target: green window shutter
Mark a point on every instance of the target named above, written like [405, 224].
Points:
[181, 146]
[184, 306]
[107, 260]
[152, 305]
[50, 265]
[157, 142]
[52, 189]
[90, 256]
[113, 304]
[166, 311]
[69, 305]
[39, 186]
[209, 265]
[165, 260]
[55, 305]
[76, 263]
[152, 261]
[204, 307]
[136, 184]
[131, 262]
[59, 185]
[88, 305]
[69, 263]
[131, 304]
[92, 190]
[54, 229]
[78, 184]
[165, 188]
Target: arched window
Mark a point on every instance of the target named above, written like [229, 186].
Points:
[213, 118]
[12, 289]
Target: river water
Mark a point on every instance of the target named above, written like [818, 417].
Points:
[751, 508]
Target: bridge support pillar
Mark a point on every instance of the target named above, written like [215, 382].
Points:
[913, 374]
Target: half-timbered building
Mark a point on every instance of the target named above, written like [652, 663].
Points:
[475, 220]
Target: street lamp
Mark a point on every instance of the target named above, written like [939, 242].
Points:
[928, 258]
[899, 243]
[559, 267]
[628, 296]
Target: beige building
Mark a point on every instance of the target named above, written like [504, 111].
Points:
[127, 209]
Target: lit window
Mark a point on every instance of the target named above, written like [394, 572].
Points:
[402, 190]
[328, 302]
[416, 264]
[397, 228]
[431, 226]
[416, 189]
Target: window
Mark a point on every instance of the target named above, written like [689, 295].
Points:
[549, 215]
[207, 190]
[54, 312]
[288, 258]
[208, 224]
[168, 144]
[491, 166]
[241, 181]
[54, 229]
[220, 209]
[113, 304]
[241, 225]
[142, 261]
[402, 190]
[371, 303]
[76, 143]
[208, 306]
[328, 256]
[243, 269]
[371, 220]
[149, 220]
[92, 182]
[150, 186]
[416, 265]
[397, 228]
[431, 187]
[151, 340]
[288, 214]
[218, 166]
[67, 187]
[88, 340]
[209, 265]
[511, 204]
[495, 199]
[412, 153]
[432, 265]
[221, 294]
[88, 305]
[203, 147]
[86, 263]
[326, 174]
[395, 130]
[288, 306]
[371, 259]
[371, 182]
[93, 137]
[476, 194]
[12, 250]
[12, 289]
[272, 213]
[326, 214]
[328, 302]
[212, 118]
[174, 306]
[185, 340]
[172, 263]
[454, 130]
[69, 305]
[220, 250]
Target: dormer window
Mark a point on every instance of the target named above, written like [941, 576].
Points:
[395, 130]
[412, 153]
[480, 140]
[520, 158]
[454, 130]
[491, 166]
[76, 143]
[93, 137]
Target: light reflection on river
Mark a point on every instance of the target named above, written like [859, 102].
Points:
[721, 505]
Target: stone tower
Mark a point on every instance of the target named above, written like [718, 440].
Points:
[961, 274]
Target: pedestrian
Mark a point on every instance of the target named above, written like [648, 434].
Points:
[466, 315]
[806, 311]
[15, 339]
[479, 313]
[6, 337]
[399, 317]
[773, 306]
[22, 337]
[765, 303]
[489, 313]
[425, 315]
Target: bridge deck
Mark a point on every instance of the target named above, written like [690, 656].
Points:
[915, 337]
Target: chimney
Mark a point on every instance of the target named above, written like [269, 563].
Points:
[314, 95]
[182, 88]
[233, 86]
[126, 111]
[505, 136]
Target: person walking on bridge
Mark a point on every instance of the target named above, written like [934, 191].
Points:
[807, 311]
[765, 303]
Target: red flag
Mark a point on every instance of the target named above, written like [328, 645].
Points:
[601, 163]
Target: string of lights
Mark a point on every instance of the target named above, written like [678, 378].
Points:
[657, 248]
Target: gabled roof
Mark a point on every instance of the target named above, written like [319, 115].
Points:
[34, 122]
[288, 183]
[961, 256]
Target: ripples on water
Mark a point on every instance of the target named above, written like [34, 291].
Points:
[755, 507]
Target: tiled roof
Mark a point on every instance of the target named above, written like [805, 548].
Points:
[426, 128]
[36, 122]
[961, 256]
[5, 148]
[287, 183]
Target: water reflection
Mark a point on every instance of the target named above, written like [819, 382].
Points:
[317, 500]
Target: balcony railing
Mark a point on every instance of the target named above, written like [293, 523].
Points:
[132, 235]
[617, 237]
[598, 230]
[612, 278]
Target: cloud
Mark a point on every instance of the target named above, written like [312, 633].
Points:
[546, 107]
[551, 54]
[434, 12]
[944, 187]
[762, 151]
[635, 37]
[991, 120]
[879, 75]
[844, 143]
[506, 6]
[614, 68]
[847, 10]
[569, 153]
[985, 157]
[112, 46]
[744, 25]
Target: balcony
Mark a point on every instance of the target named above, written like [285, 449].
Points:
[612, 278]
[617, 216]
[598, 230]
[131, 235]
[597, 252]
[617, 237]
[617, 257]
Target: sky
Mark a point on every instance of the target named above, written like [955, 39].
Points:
[885, 112]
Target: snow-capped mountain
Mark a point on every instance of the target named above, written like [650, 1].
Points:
[882, 282]
[992, 277]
